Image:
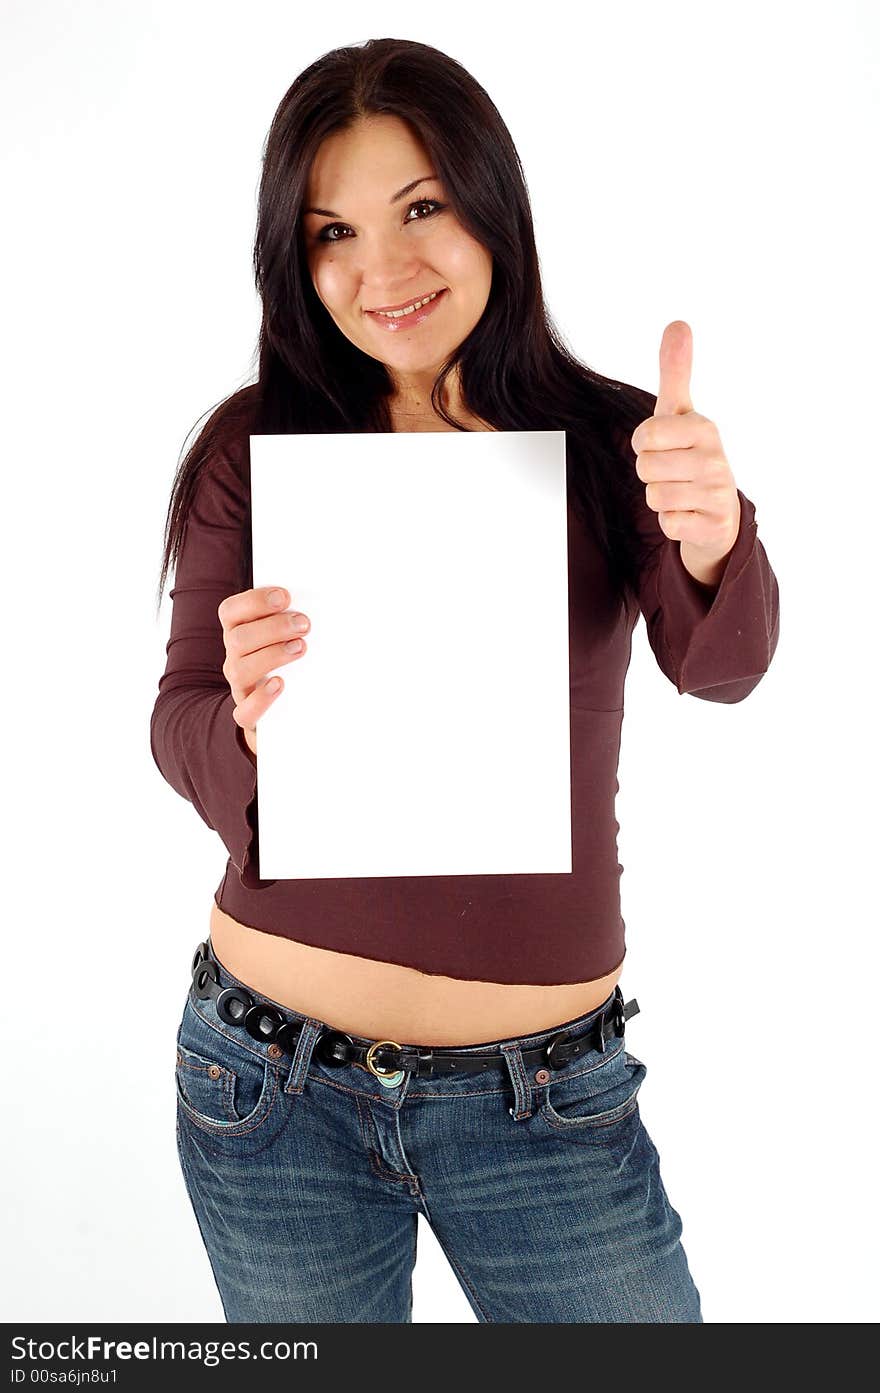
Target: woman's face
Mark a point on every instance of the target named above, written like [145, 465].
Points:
[373, 250]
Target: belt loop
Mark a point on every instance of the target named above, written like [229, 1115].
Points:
[302, 1054]
[522, 1093]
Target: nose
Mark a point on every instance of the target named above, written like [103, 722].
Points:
[388, 272]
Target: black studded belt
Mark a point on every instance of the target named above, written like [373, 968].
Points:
[269, 1025]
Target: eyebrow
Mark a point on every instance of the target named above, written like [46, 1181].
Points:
[401, 193]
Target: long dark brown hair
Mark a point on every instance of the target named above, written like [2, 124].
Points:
[515, 371]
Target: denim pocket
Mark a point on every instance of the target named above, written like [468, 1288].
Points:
[591, 1102]
[223, 1088]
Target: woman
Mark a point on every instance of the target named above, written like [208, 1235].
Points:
[354, 1052]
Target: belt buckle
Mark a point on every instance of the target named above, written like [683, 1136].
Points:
[389, 1078]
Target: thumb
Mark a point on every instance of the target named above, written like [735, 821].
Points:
[676, 359]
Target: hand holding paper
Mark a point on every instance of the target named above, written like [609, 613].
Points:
[257, 639]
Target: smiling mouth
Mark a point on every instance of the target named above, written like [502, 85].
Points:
[399, 311]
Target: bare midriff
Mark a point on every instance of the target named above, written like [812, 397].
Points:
[386, 1001]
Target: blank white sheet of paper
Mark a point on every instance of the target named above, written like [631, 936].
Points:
[426, 729]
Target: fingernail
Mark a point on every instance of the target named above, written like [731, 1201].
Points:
[276, 598]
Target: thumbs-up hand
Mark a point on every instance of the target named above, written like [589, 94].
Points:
[680, 458]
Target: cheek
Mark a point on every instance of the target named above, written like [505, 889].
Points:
[468, 264]
[332, 281]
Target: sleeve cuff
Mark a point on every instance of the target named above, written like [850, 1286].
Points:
[690, 601]
[720, 641]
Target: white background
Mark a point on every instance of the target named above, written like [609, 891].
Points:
[683, 161]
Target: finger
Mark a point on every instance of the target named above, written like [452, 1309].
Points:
[652, 466]
[252, 604]
[682, 525]
[251, 669]
[248, 712]
[668, 497]
[259, 635]
[676, 361]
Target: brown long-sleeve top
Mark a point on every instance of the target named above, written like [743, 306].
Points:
[528, 928]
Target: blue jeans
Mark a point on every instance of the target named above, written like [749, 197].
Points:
[307, 1180]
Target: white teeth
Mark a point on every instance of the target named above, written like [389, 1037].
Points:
[396, 314]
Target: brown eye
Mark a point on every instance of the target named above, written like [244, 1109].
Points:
[426, 203]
